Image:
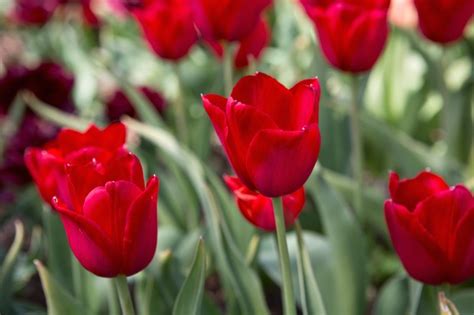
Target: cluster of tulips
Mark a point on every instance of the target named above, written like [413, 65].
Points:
[270, 135]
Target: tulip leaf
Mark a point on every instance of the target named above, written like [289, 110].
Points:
[58, 299]
[9, 262]
[189, 298]
[348, 244]
[393, 298]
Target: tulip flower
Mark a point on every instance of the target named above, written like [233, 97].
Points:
[444, 21]
[352, 34]
[112, 224]
[229, 20]
[169, 28]
[11, 83]
[258, 209]
[270, 134]
[432, 228]
[119, 104]
[47, 165]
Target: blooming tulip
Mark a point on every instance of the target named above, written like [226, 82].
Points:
[352, 33]
[47, 166]
[228, 20]
[168, 27]
[112, 223]
[444, 21]
[252, 45]
[33, 11]
[258, 209]
[432, 228]
[270, 133]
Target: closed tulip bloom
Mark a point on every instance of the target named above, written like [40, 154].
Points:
[168, 26]
[270, 133]
[432, 228]
[352, 33]
[112, 223]
[47, 165]
[258, 209]
[229, 20]
[444, 21]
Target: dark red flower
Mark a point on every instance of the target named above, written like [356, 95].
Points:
[35, 12]
[47, 166]
[258, 209]
[119, 104]
[11, 83]
[228, 20]
[169, 28]
[432, 228]
[52, 84]
[444, 21]
[352, 33]
[270, 133]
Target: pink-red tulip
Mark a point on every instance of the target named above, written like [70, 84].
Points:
[270, 133]
[444, 21]
[252, 46]
[229, 20]
[34, 12]
[169, 28]
[352, 33]
[258, 209]
[432, 228]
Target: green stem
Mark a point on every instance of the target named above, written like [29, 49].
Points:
[180, 110]
[77, 278]
[288, 298]
[299, 238]
[228, 67]
[357, 145]
[124, 295]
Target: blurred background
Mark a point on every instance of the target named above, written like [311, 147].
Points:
[87, 62]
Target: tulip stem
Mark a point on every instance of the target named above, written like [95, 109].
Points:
[124, 295]
[288, 297]
[227, 68]
[357, 145]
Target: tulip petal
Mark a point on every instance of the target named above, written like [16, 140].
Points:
[108, 205]
[305, 105]
[265, 93]
[271, 159]
[462, 245]
[418, 251]
[215, 106]
[409, 192]
[244, 122]
[88, 243]
[370, 29]
[140, 237]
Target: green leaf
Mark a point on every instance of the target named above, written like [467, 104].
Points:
[393, 297]
[348, 244]
[8, 263]
[189, 298]
[58, 299]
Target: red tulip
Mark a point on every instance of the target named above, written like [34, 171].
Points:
[258, 209]
[352, 33]
[270, 133]
[444, 21]
[253, 45]
[432, 228]
[228, 20]
[112, 225]
[168, 27]
[47, 166]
